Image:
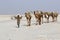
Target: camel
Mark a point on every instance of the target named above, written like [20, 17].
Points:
[38, 16]
[28, 17]
[18, 19]
[41, 13]
[54, 16]
[50, 14]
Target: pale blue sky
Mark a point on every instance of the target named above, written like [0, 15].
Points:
[21, 6]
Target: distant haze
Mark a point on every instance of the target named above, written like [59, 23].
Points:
[21, 6]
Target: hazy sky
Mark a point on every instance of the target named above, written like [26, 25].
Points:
[21, 6]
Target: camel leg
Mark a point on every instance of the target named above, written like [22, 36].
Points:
[40, 21]
[53, 19]
[56, 18]
[48, 19]
[29, 22]
[36, 21]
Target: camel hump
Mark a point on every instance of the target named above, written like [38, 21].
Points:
[28, 15]
[55, 13]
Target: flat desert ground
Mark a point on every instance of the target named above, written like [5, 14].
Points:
[45, 31]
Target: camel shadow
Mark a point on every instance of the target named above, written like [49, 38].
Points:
[26, 25]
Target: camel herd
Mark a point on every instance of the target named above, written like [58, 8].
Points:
[47, 15]
[39, 15]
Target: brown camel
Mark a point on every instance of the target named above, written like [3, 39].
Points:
[41, 13]
[38, 17]
[50, 14]
[28, 17]
[54, 15]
